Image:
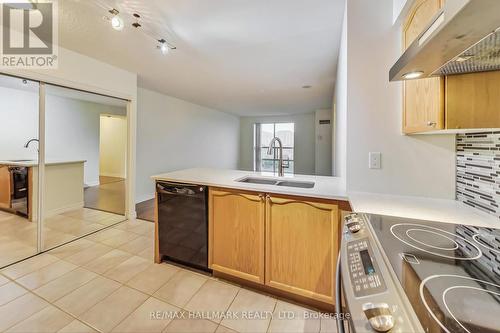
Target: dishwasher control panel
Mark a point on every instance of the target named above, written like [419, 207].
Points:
[363, 269]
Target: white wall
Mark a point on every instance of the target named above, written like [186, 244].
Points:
[340, 110]
[411, 165]
[323, 155]
[174, 134]
[304, 154]
[72, 128]
[113, 146]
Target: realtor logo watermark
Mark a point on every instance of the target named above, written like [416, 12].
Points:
[29, 34]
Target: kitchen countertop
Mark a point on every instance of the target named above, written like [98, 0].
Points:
[441, 210]
[32, 163]
[325, 187]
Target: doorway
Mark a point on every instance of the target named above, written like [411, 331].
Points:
[109, 194]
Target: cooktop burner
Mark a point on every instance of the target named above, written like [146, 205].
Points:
[436, 241]
[450, 273]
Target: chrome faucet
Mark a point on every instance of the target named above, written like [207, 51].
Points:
[281, 168]
[27, 144]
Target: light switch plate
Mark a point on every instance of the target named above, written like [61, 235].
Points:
[375, 160]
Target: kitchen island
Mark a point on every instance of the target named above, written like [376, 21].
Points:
[279, 235]
[64, 181]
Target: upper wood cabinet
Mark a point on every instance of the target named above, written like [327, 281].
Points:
[464, 101]
[236, 234]
[423, 100]
[301, 247]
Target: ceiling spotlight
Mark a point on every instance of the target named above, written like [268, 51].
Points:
[306, 87]
[116, 20]
[136, 24]
[413, 75]
[163, 46]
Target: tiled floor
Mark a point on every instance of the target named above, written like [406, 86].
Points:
[18, 236]
[107, 282]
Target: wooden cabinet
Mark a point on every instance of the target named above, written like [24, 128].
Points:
[236, 234]
[465, 101]
[472, 100]
[287, 244]
[423, 100]
[5, 187]
[301, 247]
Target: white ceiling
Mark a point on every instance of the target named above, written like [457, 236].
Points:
[247, 57]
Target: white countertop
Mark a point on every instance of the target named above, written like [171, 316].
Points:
[33, 163]
[324, 188]
[441, 210]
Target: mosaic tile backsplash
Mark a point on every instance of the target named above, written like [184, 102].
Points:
[478, 171]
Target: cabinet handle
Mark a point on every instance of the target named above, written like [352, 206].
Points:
[431, 123]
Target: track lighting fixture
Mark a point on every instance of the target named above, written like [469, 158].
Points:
[163, 46]
[116, 20]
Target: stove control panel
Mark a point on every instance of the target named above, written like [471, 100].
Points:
[353, 223]
[363, 269]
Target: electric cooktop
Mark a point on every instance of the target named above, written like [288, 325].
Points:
[450, 273]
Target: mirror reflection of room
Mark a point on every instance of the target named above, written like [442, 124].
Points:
[86, 137]
[19, 122]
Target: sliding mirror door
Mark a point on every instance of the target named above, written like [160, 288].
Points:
[19, 130]
[85, 164]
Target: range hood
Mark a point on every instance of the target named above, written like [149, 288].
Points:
[464, 37]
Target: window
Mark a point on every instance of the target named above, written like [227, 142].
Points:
[263, 134]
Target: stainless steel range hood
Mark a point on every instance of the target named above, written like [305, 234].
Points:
[464, 37]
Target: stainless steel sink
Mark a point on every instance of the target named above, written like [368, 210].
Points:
[290, 183]
[277, 182]
[254, 180]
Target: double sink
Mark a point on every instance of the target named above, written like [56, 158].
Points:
[276, 182]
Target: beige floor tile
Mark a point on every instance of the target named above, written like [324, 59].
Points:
[248, 303]
[88, 295]
[224, 329]
[19, 309]
[28, 266]
[148, 254]
[107, 261]
[113, 309]
[105, 234]
[328, 325]
[45, 274]
[130, 224]
[3, 280]
[145, 228]
[181, 287]
[138, 245]
[71, 248]
[299, 322]
[128, 269]
[120, 239]
[76, 327]
[142, 320]
[152, 278]
[213, 297]
[65, 284]
[191, 326]
[50, 319]
[88, 254]
[10, 291]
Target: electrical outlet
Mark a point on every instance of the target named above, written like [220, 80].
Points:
[375, 160]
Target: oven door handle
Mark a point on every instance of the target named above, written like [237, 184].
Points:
[338, 299]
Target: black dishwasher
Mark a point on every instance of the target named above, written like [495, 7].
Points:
[183, 223]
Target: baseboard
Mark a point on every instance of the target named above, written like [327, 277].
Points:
[115, 175]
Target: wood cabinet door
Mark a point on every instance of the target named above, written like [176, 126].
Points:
[302, 247]
[423, 99]
[472, 100]
[236, 232]
[5, 187]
